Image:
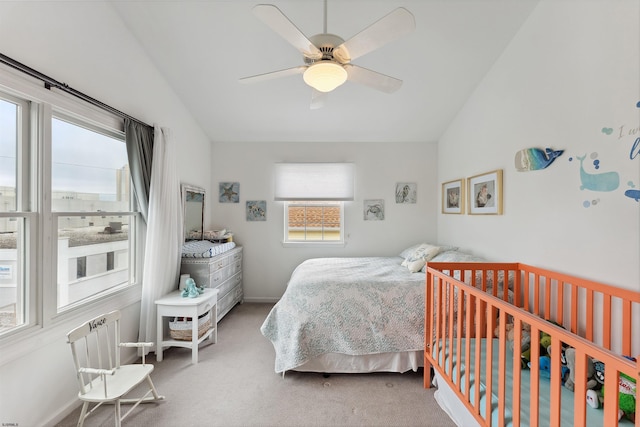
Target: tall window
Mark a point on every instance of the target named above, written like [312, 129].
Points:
[15, 218]
[67, 218]
[91, 201]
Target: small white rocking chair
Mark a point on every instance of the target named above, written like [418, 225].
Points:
[95, 346]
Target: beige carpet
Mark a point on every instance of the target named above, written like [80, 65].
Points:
[234, 384]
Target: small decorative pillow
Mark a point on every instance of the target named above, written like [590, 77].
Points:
[411, 249]
[408, 251]
[417, 265]
[423, 253]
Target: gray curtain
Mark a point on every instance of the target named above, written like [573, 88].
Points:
[139, 140]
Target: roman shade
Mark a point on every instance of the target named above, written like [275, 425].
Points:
[314, 181]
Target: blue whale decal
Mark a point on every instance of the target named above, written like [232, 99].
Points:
[607, 181]
[633, 194]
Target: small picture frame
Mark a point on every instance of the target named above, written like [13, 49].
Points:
[406, 192]
[485, 193]
[256, 210]
[453, 197]
[229, 192]
[374, 210]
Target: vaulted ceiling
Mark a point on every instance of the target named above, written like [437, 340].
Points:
[204, 47]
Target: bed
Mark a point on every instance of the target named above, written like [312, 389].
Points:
[480, 373]
[352, 315]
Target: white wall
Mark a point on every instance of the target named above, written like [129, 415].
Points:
[85, 45]
[267, 264]
[572, 70]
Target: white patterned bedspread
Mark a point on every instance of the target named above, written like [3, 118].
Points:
[351, 306]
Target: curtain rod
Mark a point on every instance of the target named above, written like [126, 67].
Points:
[49, 83]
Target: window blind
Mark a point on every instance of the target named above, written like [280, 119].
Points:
[314, 181]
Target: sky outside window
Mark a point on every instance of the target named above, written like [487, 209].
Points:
[85, 161]
[8, 125]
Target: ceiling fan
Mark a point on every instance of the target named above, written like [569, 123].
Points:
[327, 57]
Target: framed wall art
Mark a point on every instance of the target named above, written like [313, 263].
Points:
[453, 197]
[229, 192]
[406, 192]
[256, 210]
[374, 210]
[485, 193]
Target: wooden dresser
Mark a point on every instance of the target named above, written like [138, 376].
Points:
[222, 272]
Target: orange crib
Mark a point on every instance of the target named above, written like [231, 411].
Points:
[467, 319]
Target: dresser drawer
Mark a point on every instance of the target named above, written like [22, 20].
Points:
[226, 302]
[235, 267]
[229, 284]
[223, 272]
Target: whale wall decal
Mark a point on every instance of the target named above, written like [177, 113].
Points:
[607, 181]
[633, 194]
[531, 159]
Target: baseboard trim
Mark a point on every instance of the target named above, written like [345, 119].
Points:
[262, 300]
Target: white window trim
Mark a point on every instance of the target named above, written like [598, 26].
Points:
[313, 243]
[46, 325]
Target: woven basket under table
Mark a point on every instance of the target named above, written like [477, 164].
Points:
[180, 328]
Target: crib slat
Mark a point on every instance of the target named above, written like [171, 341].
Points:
[580, 389]
[547, 298]
[467, 341]
[489, 363]
[626, 328]
[517, 351]
[502, 359]
[449, 323]
[438, 303]
[478, 350]
[574, 309]
[517, 288]
[611, 399]
[527, 291]
[560, 305]
[554, 416]
[606, 317]
[590, 324]
[536, 294]
[637, 380]
[458, 332]
[428, 324]
[535, 375]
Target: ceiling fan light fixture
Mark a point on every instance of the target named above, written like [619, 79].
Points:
[325, 76]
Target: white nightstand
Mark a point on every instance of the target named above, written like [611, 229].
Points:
[174, 304]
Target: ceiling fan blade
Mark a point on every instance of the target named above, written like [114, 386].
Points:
[318, 99]
[274, 74]
[396, 24]
[278, 22]
[372, 79]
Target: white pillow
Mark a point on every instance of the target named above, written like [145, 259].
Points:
[405, 253]
[423, 252]
[417, 265]
[408, 251]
